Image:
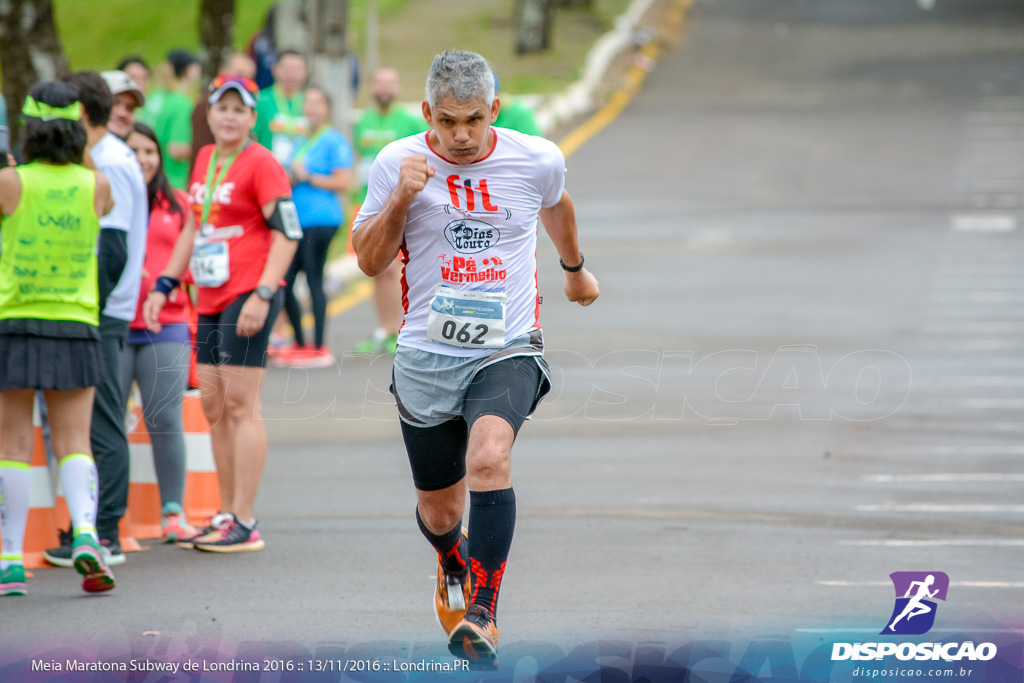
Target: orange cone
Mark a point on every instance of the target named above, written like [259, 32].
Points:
[143, 514]
[41, 529]
[202, 492]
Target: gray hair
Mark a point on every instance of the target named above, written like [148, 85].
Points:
[463, 75]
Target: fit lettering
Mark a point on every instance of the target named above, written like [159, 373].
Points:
[455, 183]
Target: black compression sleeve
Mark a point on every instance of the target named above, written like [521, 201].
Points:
[113, 255]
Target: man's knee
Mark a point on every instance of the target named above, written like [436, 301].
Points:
[440, 513]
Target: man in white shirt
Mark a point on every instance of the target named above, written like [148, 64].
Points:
[122, 239]
[460, 204]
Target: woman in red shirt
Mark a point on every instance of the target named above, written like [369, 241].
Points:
[159, 360]
[245, 240]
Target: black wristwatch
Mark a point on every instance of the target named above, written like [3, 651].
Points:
[572, 269]
[265, 293]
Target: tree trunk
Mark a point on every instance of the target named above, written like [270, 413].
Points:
[216, 35]
[330, 65]
[30, 52]
[533, 26]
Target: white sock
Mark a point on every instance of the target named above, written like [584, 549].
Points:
[15, 484]
[78, 477]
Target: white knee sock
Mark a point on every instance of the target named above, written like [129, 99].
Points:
[15, 483]
[78, 477]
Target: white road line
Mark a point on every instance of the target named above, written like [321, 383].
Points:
[957, 584]
[956, 450]
[937, 507]
[977, 345]
[979, 222]
[939, 543]
[970, 381]
[994, 296]
[974, 327]
[965, 425]
[990, 403]
[943, 477]
[973, 313]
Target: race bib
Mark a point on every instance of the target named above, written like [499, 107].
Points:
[210, 264]
[283, 147]
[470, 320]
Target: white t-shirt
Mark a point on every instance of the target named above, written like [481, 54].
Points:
[473, 228]
[130, 213]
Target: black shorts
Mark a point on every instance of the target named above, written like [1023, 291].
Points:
[218, 343]
[509, 389]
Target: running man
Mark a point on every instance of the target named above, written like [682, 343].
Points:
[915, 607]
[460, 203]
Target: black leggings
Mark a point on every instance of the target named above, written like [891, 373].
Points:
[310, 258]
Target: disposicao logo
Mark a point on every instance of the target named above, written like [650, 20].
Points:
[916, 592]
[913, 615]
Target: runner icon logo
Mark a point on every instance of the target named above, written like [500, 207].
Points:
[914, 611]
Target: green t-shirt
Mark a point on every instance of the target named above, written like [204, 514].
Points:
[280, 125]
[154, 103]
[48, 268]
[517, 116]
[373, 132]
[173, 125]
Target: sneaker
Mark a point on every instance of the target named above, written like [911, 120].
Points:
[319, 358]
[451, 595]
[112, 553]
[88, 560]
[381, 342]
[216, 522]
[173, 524]
[234, 537]
[61, 555]
[286, 355]
[12, 580]
[304, 357]
[476, 638]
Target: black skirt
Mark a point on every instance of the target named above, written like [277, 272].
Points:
[48, 363]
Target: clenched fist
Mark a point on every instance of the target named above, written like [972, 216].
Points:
[413, 176]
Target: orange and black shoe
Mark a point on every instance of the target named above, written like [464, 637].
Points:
[476, 638]
[451, 595]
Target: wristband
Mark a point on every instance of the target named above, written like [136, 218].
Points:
[165, 285]
[572, 269]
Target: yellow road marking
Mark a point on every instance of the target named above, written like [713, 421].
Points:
[618, 102]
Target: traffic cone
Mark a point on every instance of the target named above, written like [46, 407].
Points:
[142, 518]
[41, 530]
[202, 492]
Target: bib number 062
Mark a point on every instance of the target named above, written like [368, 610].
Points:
[451, 331]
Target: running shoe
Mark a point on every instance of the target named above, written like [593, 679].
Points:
[61, 556]
[451, 594]
[88, 560]
[12, 580]
[319, 358]
[304, 357]
[212, 529]
[380, 342]
[173, 524]
[234, 537]
[286, 356]
[476, 638]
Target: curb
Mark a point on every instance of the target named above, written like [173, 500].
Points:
[578, 98]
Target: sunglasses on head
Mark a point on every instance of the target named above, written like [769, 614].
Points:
[247, 83]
